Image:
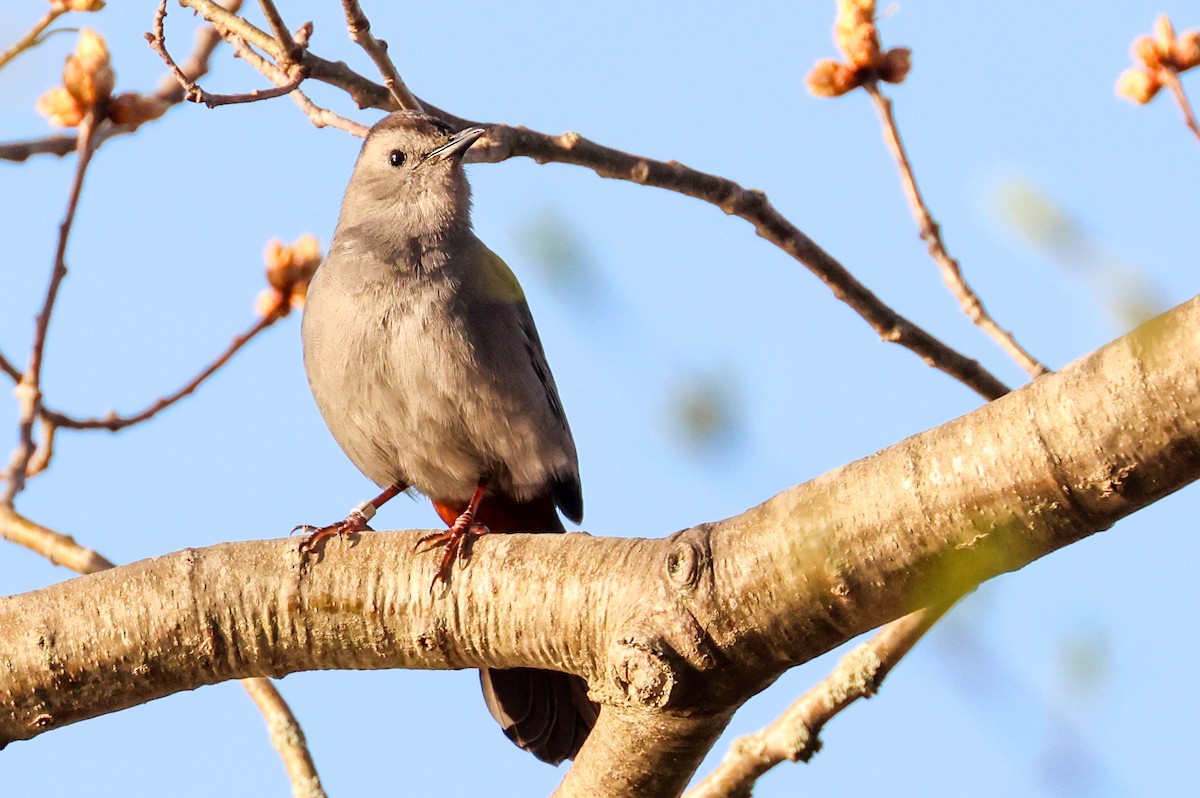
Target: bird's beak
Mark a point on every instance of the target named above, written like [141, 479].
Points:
[457, 146]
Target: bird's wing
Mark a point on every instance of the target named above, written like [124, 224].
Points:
[499, 284]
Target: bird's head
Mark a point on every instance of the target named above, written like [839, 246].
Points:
[409, 176]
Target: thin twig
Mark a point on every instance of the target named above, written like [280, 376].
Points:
[753, 206]
[196, 66]
[286, 737]
[30, 39]
[29, 388]
[320, 117]
[8, 368]
[360, 34]
[193, 92]
[169, 90]
[45, 448]
[56, 547]
[795, 735]
[931, 234]
[291, 50]
[113, 422]
[506, 142]
[1171, 78]
[323, 117]
[226, 21]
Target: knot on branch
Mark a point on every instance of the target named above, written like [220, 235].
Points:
[651, 661]
[644, 672]
[689, 561]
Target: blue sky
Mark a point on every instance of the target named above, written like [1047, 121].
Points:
[1070, 677]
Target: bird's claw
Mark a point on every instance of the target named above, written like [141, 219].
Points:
[317, 535]
[457, 540]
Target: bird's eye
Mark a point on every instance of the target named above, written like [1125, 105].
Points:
[397, 157]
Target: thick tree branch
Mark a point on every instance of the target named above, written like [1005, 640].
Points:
[662, 629]
[287, 737]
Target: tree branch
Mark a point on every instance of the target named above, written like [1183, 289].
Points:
[113, 422]
[752, 206]
[169, 90]
[284, 729]
[505, 142]
[796, 734]
[290, 49]
[30, 39]
[931, 234]
[360, 33]
[287, 738]
[157, 40]
[29, 390]
[56, 547]
[660, 628]
[1171, 78]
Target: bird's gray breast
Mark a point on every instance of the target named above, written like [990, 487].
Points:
[426, 380]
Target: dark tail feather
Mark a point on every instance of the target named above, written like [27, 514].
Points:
[545, 712]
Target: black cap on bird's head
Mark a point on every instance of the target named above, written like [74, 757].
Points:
[410, 171]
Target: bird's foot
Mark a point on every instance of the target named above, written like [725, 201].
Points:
[353, 523]
[457, 540]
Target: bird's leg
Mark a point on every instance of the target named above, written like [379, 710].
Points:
[353, 523]
[456, 539]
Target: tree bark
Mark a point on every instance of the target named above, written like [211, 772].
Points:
[672, 634]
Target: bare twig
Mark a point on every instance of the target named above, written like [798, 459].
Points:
[193, 92]
[30, 39]
[286, 737]
[56, 547]
[113, 422]
[795, 735]
[169, 90]
[320, 117]
[226, 21]
[196, 65]
[290, 49]
[360, 34]
[29, 390]
[752, 206]
[1170, 79]
[45, 448]
[323, 117]
[507, 142]
[8, 368]
[931, 234]
[58, 144]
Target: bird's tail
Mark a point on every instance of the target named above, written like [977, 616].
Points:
[547, 713]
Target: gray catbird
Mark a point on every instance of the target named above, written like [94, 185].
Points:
[425, 363]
